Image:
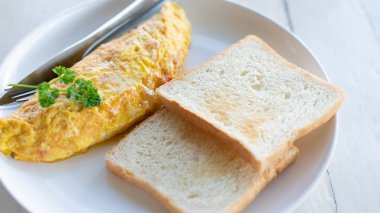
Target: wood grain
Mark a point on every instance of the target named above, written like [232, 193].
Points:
[21, 16]
[342, 37]
[371, 11]
[322, 198]
[273, 9]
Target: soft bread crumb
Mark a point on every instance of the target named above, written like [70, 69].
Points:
[187, 169]
[254, 99]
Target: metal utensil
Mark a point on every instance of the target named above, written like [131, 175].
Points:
[72, 54]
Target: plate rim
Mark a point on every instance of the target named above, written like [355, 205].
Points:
[335, 119]
[36, 32]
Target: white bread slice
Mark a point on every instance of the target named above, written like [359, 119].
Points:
[187, 169]
[254, 99]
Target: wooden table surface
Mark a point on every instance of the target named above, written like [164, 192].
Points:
[344, 35]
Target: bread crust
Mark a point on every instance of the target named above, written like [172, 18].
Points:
[258, 164]
[250, 194]
[130, 177]
[198, 121]
[265, 180]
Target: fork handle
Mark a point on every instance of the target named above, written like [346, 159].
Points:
[72, 54]
[135, 9]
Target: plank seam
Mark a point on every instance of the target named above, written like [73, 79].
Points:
[332, 190]
[370, 23]
[287, 12]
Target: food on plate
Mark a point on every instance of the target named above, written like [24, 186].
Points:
[188, 169]
[79, 89]
[254, 99]
[125, 71]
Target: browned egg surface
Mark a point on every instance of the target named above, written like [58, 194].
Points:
[126, 71]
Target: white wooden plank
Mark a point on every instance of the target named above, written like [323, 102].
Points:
[371, 9]
[274, 9]
[341, 36]
[321, 199]
[21, 16]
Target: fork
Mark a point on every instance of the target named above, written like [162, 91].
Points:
[72, 54]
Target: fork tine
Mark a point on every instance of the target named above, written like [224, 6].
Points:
[17, 91]
[27, 93]
[24, 99]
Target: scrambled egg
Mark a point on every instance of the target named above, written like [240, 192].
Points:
[126, 71]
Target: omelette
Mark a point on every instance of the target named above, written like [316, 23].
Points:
[126, 71]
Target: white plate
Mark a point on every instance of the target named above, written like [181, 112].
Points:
[82, 183]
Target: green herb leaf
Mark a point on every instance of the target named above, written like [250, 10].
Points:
[47, 95]
[83, 91]
[65, 75]
[80, 90]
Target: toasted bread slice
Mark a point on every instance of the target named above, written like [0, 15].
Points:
[254, 99]
[187, 169]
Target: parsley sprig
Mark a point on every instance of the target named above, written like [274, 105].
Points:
[79, 90]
